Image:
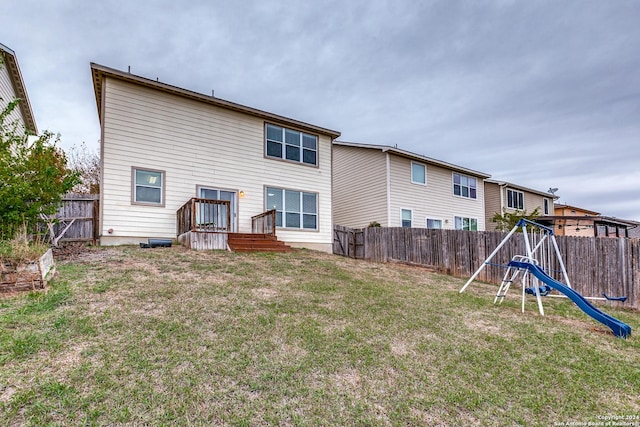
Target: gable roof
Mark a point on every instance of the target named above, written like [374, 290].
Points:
[11, 64]
[100, 72]
[522, 188]
[577, 209]
[414, 156]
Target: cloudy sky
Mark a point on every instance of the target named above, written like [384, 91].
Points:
[539, 93]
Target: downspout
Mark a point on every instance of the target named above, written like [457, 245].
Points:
[103, 103]
[388, 189]
[502, 187]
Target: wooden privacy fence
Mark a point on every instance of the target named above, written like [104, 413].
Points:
[348, 242]
[79, 215]
[594, 264]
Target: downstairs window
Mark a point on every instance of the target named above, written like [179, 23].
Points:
[294, 209]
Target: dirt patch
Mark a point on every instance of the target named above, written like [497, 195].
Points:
[7, 393]
[83, 253]
[265, 293]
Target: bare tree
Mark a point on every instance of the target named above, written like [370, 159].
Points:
[86, 162]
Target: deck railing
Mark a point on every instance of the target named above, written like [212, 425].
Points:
[204, 215]
[264, 223]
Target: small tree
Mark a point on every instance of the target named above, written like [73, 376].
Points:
[33, 175]
[507, 220]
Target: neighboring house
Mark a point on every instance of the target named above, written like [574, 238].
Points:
[162, 145]
[11, 87]
[574, 221]
[397, 188]
[505, 197]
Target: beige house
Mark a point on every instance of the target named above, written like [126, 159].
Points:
[505, 197]
[397, 188]
[162, 145]
[11, 87]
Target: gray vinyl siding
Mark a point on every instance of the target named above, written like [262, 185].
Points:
[196, 144]
[359, 186]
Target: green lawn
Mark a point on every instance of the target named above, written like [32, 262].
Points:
[131, 336]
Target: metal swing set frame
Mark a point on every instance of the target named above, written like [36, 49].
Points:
[541, 246]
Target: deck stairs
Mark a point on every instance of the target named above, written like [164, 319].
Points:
[248, 242]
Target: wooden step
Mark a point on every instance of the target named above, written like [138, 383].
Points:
[247, 242]
[251, 236]
[274, 249]
[256, 243]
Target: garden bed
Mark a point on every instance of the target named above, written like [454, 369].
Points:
[26, 275]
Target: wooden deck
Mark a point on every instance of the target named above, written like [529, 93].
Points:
[205, 224]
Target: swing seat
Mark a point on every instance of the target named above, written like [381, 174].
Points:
[544, 290]
[621, 299]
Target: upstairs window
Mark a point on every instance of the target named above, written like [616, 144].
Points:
[515, 199]
[464, 186]
[291, 145]
[545, 204]
[418, 173]
[148, 187]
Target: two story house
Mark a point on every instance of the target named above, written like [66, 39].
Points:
[162, 145]
[398, 188]
[11, 87]
[505, 197]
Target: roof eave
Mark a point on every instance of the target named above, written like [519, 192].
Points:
[522, 188]
[586, 211]
[11, 62]
[99, 72]
[415, 156]
[594, 218]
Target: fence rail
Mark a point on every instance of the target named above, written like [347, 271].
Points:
[204, 215]
[77, 217]
[594, 264]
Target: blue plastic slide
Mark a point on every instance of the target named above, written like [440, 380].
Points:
[620, 329]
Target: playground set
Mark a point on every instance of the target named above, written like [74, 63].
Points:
[535, 270]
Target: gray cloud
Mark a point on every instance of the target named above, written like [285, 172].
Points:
[540, 93]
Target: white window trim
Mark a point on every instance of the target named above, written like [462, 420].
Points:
[163, 187]
[234, 203]
[425, 173]
[426, 223]
[401, 219]
[546, 205]
[515, 192]
[284, 146]
[463, 218]
[302, 213]
[453, 184]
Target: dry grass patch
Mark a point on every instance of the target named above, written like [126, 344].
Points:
[171, 336]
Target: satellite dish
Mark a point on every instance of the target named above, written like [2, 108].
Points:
[552, 191]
